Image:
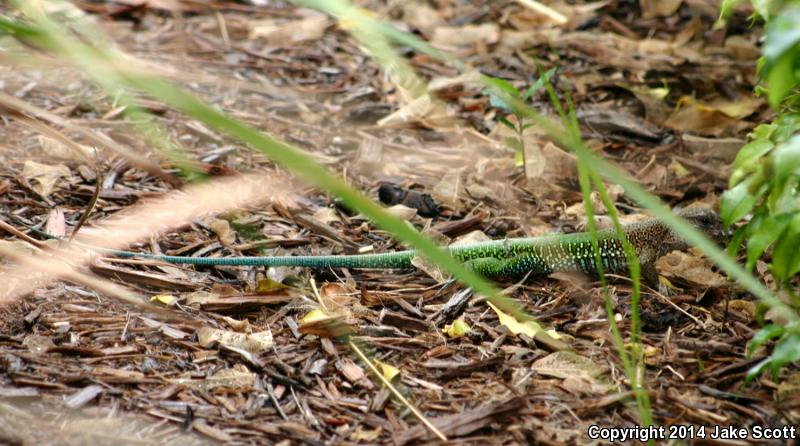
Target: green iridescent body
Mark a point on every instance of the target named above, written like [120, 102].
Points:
[511, 258]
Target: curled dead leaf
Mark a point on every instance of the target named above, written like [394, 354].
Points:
[254, 343]
[43, 177]
[695, 270]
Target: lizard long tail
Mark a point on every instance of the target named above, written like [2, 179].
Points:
[401, 259]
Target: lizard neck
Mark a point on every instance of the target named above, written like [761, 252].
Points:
[653, 239]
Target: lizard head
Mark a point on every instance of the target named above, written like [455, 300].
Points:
[704, 220]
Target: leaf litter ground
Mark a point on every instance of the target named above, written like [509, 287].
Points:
[656, 90]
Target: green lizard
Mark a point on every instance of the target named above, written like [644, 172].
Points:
[511, 258]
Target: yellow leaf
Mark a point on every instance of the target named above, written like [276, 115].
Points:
[389, 371]
[314, 316]
[164, 299]
[457, 329]
[659, 93]
[678, 169]
[267, 284]
[529, 328]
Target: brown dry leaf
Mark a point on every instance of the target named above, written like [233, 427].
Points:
[254, 343]
[656, 109]
[37, 344]
[449, 37]
[324, 325]
[242, 326]
[337, 298]
[478, 191]
[789, 388]
[425, 265]
[237, 378]
[422, 110]
[471, 80]
[448, 189]
[362, 435]
[223, 230]
[654, 174]
[565, 364]
[353, 373]
[724, 149]
[43, 177]
[607, 121]
[742, 47]
[430, 268]
[476, 236]
[746, 307]
[200, 297]
[535, 161]
[659, 8]
[56, 149]
[327, 215]
[421, 16]
[695, 270]
[281, 33]
[717, 118]
[582, 385]
[638, 55]
[402, 211]
[56, 223]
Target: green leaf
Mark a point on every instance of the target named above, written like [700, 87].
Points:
[747, 159]
[785, 127]
[786, 160]
[764, 335]
[503, 85]
[763, 131]
[780, 79]
[784, 198]
[507, 123]
[783, 33]
[757, 369]
[516, 144]
[736, 241]
[763, 230]
[519, 159]
[497, 101]
[736, 203]
[786, 352]
[541, 82]
[786, 256]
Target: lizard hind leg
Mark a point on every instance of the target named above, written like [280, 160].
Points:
[512, 268]
[488, 267]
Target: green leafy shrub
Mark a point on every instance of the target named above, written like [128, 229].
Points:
[765, 181]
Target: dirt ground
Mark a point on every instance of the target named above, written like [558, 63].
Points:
[656, 89]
